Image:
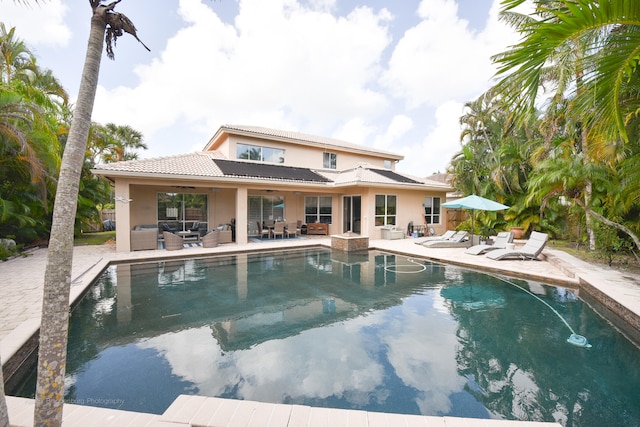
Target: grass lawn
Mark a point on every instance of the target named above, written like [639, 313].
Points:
[99, 238]
[619, 261]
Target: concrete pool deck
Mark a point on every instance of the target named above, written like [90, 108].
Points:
[617, 294]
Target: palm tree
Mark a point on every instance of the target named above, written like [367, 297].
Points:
[587, 50]
[117, 143]
[55, 306]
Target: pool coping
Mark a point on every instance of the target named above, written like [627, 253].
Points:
[570, 272]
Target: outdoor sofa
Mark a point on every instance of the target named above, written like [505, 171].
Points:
[144, 237]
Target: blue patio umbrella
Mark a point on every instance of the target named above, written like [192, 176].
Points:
[474, 203]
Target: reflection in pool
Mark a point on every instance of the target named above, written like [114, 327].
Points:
[372, 331]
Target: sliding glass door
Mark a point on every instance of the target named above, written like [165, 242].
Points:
[264, 209]
[182, 211]
[351, 214]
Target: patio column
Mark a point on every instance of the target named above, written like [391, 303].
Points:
[242, 209]
[123, 216]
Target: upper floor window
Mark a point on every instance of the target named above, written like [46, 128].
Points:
[258, 153]
[385, 209]
[387, 164]
[329, 160]
[432, 210]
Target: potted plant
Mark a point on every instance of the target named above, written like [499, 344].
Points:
[518, 232]
[486, 232]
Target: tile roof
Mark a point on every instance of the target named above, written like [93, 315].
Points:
[195, 164]
[364, 173]
[212, 165]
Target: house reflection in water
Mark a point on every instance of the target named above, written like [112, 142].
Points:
[247, 299]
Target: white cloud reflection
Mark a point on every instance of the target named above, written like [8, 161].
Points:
[340, 361]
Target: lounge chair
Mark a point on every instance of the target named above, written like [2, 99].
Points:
[502, 239]
[530, 250]
[447, 235]
[172, 242]
[459, 240]
[211, 239]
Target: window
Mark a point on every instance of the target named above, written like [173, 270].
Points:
[432, 210]
[385, 210]
[329, 160]
[182, 211]
[318, 209]
[387, 164]
[260, 154]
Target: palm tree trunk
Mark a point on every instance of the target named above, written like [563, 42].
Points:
[588, 192]
[55, 305]
[626, 230]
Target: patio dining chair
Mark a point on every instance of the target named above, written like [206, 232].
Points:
[278, 230]
[291, 229]
[263, 231]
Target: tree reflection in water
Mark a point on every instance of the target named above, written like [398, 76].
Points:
[372, 330]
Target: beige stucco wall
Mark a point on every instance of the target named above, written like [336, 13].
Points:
[231, 202]
[409, 208]
[302, 156]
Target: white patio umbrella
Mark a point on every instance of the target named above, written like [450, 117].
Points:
[474, 203]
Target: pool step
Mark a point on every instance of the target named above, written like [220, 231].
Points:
[199, 411]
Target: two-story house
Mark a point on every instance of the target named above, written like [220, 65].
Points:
[251, 175]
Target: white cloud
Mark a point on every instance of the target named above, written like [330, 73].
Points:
[399, 126]
[433, 153]
[280, 65]
[442, 63]
[41, 24]
[288, 64]
[439, 59]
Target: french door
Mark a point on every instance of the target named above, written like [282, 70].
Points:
[351, 214]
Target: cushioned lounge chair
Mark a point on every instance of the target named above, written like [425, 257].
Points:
[502, 239]
[530, 250]
[447, 235]
[458, 240]
[172, 242]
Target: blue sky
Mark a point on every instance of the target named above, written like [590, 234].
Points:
[390, 75]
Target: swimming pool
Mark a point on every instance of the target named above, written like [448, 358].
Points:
[373, 331]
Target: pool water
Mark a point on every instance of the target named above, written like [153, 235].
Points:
[371, 331]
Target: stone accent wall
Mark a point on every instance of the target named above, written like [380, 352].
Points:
[349, 243]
